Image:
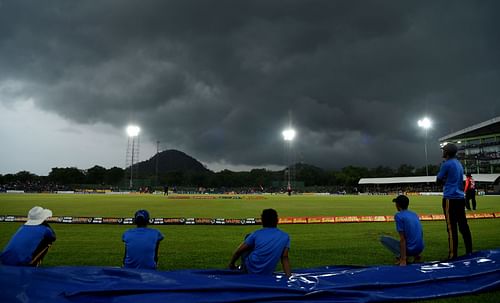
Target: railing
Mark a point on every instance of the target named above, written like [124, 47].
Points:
[478, 145]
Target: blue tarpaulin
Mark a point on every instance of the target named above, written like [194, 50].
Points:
[475, 273]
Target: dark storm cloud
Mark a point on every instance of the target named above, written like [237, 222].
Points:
[217, 79]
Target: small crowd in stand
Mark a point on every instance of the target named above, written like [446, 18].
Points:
[260, 251]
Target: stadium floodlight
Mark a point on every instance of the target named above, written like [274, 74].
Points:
[288, 134]
[132, 150]
[133, 130]
[425, 123]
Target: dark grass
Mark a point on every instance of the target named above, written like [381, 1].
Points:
[206, 247]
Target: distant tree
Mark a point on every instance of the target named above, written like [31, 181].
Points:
[195, 179]
[382, 172]
[242, 179]
[405, 170]
[223, 178]
[9, 178]
[261, 177]
[227, 178]
[68, 175]
[331, 178]
[25, 176]
[350, 175]
[114, 176]
[433, 170]
[96, 175]
[311, 175]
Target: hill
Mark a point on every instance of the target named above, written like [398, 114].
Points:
[169, 161]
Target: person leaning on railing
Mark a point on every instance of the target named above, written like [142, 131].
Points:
[31, 242]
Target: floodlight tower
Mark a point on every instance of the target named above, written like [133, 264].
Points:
[288, 136]
[132, 150]
[425, 123]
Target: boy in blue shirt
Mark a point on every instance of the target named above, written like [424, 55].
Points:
[411, 242]
[31, 241]
[451, 175]
[261, 250]
[141, 243]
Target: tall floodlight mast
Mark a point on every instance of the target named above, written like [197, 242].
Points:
[288, 136]
[132, 150]
[425, 123]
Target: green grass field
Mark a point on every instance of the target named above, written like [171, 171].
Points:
[204, 247]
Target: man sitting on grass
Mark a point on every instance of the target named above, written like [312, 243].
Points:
[261, 250]
[141, 243]
[31, 242]
[411, 242]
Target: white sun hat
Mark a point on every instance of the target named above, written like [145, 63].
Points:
[37, 215]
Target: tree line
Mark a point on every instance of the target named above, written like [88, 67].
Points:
[307, 175]
[96, 175]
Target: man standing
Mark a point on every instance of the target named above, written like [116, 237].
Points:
[451, 176]
[31, 242]
[261, 250]
[411, 242]
[470, 192]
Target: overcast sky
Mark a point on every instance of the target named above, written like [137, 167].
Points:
[219, 80]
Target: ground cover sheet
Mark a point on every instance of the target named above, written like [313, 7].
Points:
[475, 273]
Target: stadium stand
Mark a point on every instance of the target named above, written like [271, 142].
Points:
[478, 146]
[486, 184]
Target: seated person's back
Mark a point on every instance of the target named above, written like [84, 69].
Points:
[141, 244]
[261, 250]
[268, 245]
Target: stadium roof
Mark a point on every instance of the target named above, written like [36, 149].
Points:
[488, 178]
[491, 126]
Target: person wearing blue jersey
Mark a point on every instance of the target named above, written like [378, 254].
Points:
[141, 244]
[262, 249]
[451, 176]
[411, 236]
[31, 242]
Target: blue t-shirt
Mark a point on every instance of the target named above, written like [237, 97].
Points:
[20, 249]
[408, 223]
[452, 174]
[268, 245]
[140, 247]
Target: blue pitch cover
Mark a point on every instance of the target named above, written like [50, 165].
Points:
[476, 273]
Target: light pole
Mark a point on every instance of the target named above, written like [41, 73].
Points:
[425, 123]
[288, 136]
[132, 132]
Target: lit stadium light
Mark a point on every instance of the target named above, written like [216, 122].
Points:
[288, 134]
[132, 150]
[133, 130]
[425, 123]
